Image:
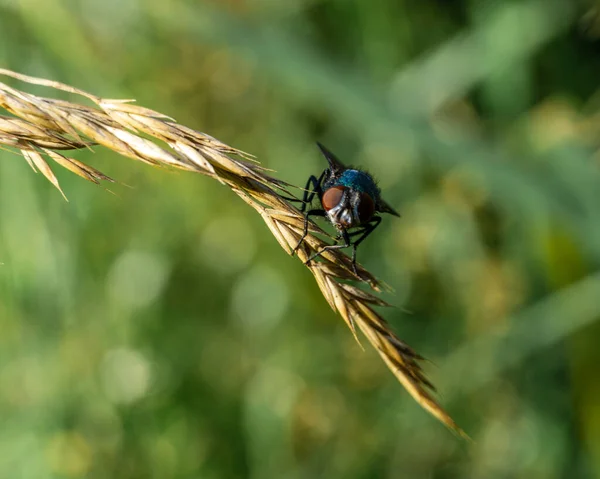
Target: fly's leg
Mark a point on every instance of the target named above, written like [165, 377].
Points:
[364, 232]
[313, 187]
[305, 232]
[345, 238]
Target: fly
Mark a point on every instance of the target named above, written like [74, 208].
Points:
[349, 198]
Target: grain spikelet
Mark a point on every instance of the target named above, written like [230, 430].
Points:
[43, 125]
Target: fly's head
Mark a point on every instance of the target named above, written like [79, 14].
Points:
[347, 207]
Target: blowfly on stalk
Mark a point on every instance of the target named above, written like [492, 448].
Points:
[350, 199]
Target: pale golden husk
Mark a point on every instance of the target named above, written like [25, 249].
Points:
[41, 126]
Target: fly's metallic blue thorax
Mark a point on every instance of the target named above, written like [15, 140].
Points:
[357, 180]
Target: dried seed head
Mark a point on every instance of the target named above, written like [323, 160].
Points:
[44, 125]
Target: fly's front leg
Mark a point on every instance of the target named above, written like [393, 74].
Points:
[313, 187]
[345, 238]
[308, 193]
[305, 231]
[364, 232]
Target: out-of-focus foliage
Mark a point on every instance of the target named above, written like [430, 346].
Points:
[161, 332]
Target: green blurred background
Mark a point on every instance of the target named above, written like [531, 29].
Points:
[161, 332]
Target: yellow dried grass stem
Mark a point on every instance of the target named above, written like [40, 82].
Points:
[41, 125]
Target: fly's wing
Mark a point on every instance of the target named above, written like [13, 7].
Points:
[335, 166]
[383, 207]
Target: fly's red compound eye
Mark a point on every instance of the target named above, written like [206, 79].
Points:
[332, 197]
[365, 208]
